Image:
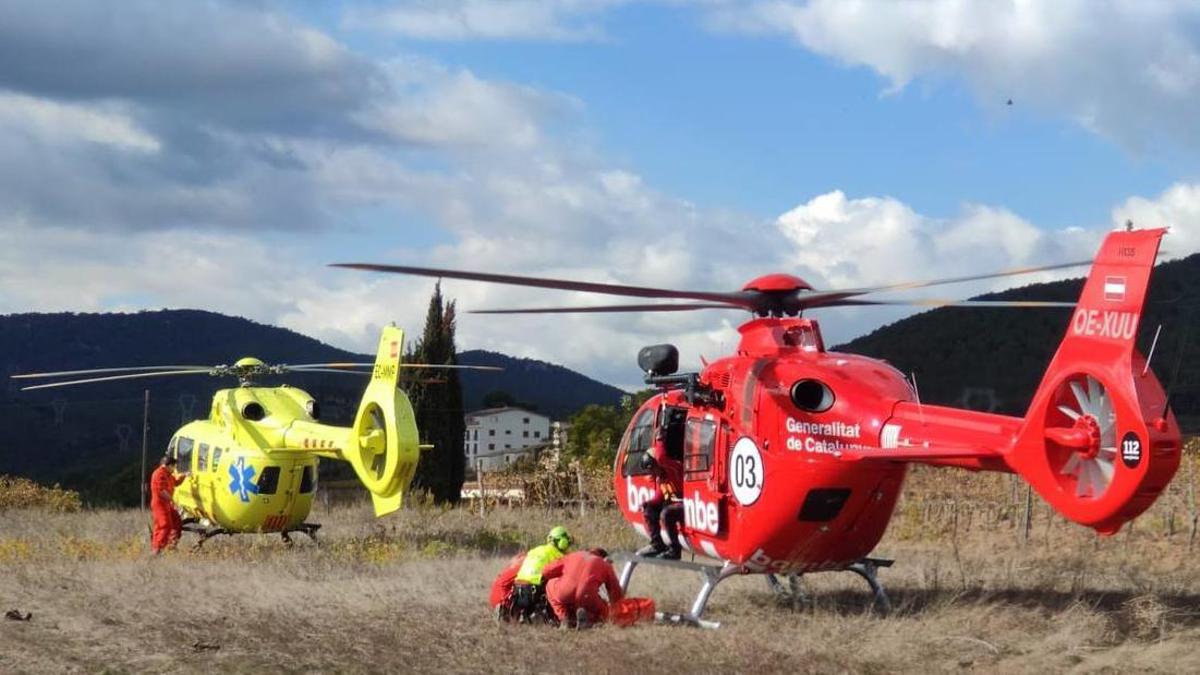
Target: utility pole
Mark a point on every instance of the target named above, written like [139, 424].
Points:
[145, 444]
[482, 499]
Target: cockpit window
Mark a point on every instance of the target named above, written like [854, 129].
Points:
[202, 458]
[183, 450]
[308, 480]
[637, 441]
[268, 481]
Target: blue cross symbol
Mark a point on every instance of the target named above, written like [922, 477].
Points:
[242, 484]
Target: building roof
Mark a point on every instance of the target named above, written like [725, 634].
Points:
[508, 408]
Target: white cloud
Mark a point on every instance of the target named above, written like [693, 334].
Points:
[880, 240]
[53, 123]
[1177, 207]
[430, 105]
[1127, 70]
[556, 20]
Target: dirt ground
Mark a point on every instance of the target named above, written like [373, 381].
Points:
[408, 594]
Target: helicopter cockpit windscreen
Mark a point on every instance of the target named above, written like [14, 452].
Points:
[640, 438]
[184, 450]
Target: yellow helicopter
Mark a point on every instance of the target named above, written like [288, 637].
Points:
[252, 465]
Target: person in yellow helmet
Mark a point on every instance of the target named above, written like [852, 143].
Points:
[529, 597]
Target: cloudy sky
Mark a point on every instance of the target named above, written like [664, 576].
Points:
[218, 155]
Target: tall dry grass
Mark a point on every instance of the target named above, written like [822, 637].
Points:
[407, 594]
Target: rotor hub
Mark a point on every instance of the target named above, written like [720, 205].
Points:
[777, 295]
[777, 283]
[1089, 428]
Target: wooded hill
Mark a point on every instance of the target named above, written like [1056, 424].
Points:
[89, 437]
[993, 359]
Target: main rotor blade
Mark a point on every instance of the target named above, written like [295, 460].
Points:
[435, 366]
[813, 299]
[1015, 271]
[597, 309]
[313, 366]
[363, 373]
[737, 298]
[94, 371]
[293, 369]
[299, 366]
[933, 302]
[205, 371]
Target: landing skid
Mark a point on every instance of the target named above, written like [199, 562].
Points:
[205, 533]
[867, 568]
[307, 528]
[712, 575]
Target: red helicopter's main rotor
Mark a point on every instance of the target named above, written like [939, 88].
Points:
[769, 295]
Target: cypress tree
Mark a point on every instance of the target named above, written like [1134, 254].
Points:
[439, 406]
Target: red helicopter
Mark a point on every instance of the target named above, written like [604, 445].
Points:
[794, 456]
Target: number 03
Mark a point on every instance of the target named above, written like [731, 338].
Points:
[745, 471]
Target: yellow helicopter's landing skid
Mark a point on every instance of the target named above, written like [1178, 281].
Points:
[206, 533]
[715, 574]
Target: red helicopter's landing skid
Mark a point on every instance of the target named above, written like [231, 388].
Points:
[867, 568]
[712, 575]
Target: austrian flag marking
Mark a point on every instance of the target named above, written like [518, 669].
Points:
[1114, 289]
[395, 349]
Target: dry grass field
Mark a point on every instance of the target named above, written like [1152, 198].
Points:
[408, 594]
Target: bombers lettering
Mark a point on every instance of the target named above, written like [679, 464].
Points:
[636, 496]
[761, 562]
[1098, 323]
[795, 426]
[700, 515]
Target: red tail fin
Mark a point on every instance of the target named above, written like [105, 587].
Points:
[1098, 443]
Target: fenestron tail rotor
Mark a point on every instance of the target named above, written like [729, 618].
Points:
[1090, 439]
[770, 295]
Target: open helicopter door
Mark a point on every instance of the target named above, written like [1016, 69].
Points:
[706, 508]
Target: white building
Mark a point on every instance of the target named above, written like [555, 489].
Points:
[493, 432]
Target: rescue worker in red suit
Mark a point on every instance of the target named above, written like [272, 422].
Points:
[573, 587]
[665, 504]
[500, 599]
[168, 526]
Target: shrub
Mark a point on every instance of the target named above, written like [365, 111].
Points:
[22, 493]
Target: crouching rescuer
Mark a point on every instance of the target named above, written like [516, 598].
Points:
[573, 585]
[529, 586]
